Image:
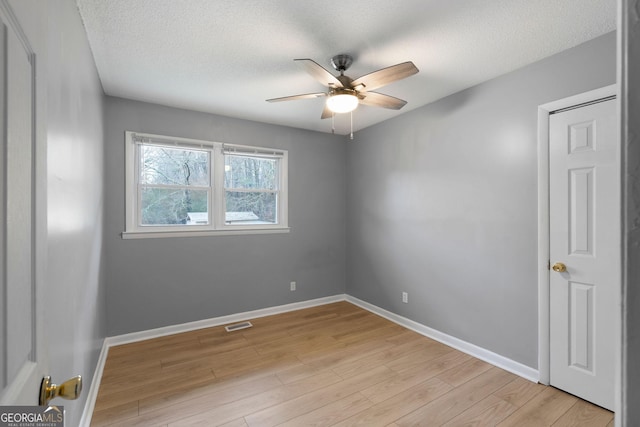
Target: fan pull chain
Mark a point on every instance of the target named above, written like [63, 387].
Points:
[351, 134]
[333, 123]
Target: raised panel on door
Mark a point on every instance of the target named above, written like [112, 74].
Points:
[19, 379]
[581, 199]
[584, 206]
[19, 285]
[581, 332]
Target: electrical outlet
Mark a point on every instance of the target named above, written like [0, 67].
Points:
[405, 297]
[293, 286]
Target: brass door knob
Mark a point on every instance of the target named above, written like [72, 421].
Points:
[69, 389]
[559, 267]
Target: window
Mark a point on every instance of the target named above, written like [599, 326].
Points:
[178, 186]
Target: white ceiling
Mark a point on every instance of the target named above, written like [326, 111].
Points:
[228, 56]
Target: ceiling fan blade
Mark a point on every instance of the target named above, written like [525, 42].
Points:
[376, 99]
[326, 113]
[319, 73]
[295, 97]
[385, 76]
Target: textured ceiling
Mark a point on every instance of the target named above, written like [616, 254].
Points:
[228, 56]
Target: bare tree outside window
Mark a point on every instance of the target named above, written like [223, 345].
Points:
[173, 182]
[251, 189]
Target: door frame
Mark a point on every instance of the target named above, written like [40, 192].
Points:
[544, 322]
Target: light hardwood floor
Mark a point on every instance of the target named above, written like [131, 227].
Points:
[332, 365]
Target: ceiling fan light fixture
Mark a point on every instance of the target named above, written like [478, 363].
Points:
[342, 101]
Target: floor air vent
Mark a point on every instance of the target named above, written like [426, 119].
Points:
[243, 325]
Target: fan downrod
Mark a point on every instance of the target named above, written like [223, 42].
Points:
[341, 62]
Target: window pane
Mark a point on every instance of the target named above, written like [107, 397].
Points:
[173, 166]
[162, 206]
[250, 208]
[244, 172]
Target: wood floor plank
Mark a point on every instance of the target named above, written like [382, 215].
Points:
[299, 344]
[457, 400]
[486, 413]
[114, 369]
[260, 334]
[323, 359]
[409, 378]
[216, 393]
[136, 379]
[435, 365]
[295, 372]
[406, 335]
[460, 374]
[219, 344]
[240, 422]
[583, 414]
[113, 414]
[246, 406]
[221, 408]
[335, 364]
[332, 413]
[368, 328]
[147, 389]
[385, 356]
[151, 349]
[241, 366]
[416, 359]
[543, 410]
[323, 396]
[519, 391]
[399, 405]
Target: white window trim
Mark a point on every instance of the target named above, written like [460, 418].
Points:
[217, 225]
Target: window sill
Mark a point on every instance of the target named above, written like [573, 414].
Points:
[126, 235]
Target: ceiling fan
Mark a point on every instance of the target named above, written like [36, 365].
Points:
[345, 93]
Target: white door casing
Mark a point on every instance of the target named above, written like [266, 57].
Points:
[584, 206]
[20, 370]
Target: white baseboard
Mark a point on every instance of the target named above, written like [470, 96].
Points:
[502, 362]
[92, 395]
[217, 321]
[471, 349]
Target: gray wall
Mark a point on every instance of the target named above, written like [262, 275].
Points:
[167, 281]
[69, 192]
[442, 204]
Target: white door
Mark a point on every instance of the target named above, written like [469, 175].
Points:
[584, 223]
[20, 370]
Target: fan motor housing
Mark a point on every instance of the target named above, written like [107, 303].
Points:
[341, 62]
